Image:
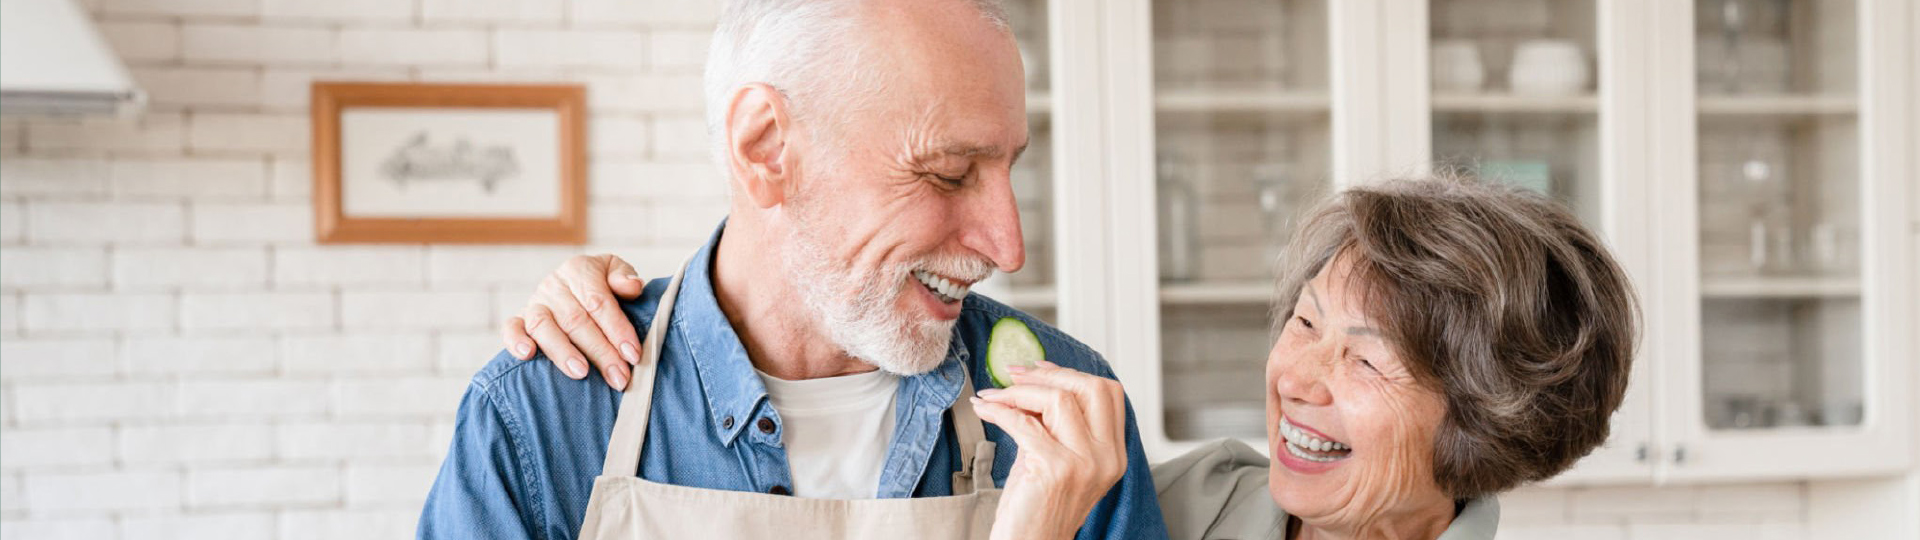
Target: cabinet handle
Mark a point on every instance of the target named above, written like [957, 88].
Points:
[1641, 454]
[1680, 455]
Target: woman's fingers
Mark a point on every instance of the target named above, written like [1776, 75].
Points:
[1027, 432]
[553, 341]
[1102, 399]
[1059, 411]
[513, 333]
[583, 331]
[624, 281]
[587, 278]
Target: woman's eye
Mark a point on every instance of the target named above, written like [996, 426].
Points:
[1369, 365]
[1304, 322]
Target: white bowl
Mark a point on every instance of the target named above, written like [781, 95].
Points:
[1457, 67]
[1549, 67]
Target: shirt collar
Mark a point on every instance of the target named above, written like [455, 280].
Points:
[726, 374]
[727, 377]
[1478, 519]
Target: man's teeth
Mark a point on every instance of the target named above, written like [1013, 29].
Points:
[947, 290]
[1299, 441]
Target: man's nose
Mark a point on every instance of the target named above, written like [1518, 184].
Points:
[994, 230]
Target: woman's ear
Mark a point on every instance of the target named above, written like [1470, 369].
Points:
[758, 151]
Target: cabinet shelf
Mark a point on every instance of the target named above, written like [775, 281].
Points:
[1030, 297]
[1779, 105]
[1204, 101]
[1229, 293]
[1189, 294]
[1779, 287]
[1515, 103]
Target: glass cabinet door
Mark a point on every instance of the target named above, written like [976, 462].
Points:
[1514, 96]
[1800, 369]
[1032, 288]
[1516, 99]
[1242, 144]
[1779, 215]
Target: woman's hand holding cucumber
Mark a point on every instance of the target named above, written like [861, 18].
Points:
[1071, 429]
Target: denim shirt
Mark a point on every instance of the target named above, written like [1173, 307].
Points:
[528, 441]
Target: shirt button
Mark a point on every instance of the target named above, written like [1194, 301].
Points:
[766, 426]
[779, 490]
[726, 423]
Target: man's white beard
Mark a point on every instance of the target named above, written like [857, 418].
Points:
[860, 311]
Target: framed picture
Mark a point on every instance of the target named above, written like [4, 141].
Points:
[449, 163]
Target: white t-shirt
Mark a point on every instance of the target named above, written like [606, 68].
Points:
[836, 431]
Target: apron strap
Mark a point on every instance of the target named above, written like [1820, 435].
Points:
[976, 452]
[636, 404]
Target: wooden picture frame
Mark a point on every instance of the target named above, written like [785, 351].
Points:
[362, 195]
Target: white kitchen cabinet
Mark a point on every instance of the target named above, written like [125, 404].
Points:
[1791, 304]
[1184, 135]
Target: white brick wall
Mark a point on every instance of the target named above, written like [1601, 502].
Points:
[415, 47]
[53, 223]
[252, 223]
[257, 311]
[222, 525]
[178, 359]
[189, 268]
[263, 486]
[155, 132]
[373, 265]
[236, 179]
[209, 86]
[56, 358]
[143, 40]
[229, 441]
[241, 43]
[117, 490]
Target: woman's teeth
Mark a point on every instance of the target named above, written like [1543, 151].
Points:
[947, 291]
[1306, 446]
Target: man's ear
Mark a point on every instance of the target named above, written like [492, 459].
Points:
[759, 144]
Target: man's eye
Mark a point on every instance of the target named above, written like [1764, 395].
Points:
[949, 182]
[1304, 322]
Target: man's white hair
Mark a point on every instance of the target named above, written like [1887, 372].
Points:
[809, 50]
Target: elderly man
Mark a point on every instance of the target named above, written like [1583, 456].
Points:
[809, 372]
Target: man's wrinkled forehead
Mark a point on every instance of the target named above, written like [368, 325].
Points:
[937, 133]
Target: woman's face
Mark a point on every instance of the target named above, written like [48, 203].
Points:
[1350, 430]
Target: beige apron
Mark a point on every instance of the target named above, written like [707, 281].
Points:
[625, 506]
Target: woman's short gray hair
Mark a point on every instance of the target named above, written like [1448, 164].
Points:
[810, 50]
[1501, 301]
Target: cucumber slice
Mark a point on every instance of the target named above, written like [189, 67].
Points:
[1012, 344]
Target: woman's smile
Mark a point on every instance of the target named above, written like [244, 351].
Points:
[1306, 450]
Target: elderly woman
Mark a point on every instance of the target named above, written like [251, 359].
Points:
[1438, 342]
